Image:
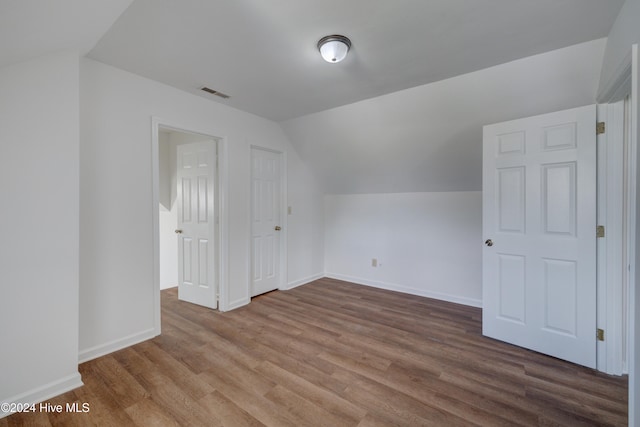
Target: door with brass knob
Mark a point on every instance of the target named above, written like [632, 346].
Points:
[266, 210]
[195, 226]
[539, 201]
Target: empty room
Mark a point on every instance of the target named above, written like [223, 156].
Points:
[319, 213]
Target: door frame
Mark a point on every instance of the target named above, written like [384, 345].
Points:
[223, 214]
[613, 249]
[625, 81]
[283, 218]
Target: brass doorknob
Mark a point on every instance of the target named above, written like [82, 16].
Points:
[178, 231]
[278, 228]
[488, 242]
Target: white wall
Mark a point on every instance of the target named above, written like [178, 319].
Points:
[305, 198]
[116, 270]
[168, 215]
[39, 113]
[407, 165]
[164, 165]
[429, 138]
[168, 248]
[427, 244]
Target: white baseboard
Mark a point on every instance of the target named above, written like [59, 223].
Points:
[119, 344]
[301, 282]
[47, 391]
[412, 291]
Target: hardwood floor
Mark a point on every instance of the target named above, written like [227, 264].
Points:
[332, 353]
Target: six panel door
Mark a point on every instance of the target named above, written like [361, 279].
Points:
[539, 222]
[265, 220]
[196, 174]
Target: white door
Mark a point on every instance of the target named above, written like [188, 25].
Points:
[265, 220]
[539, 223]
[197, 273]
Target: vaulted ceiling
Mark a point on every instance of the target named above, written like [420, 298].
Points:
[403, 112]
[263, 53]
[32, 28]
[429, 138]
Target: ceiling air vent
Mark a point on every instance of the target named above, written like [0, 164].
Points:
[215, 92]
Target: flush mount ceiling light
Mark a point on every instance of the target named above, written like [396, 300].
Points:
[334, 48]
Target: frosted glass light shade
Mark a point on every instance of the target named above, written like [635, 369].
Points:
[334, 48]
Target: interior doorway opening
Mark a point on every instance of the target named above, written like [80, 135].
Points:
[189, 193]
[186, 202]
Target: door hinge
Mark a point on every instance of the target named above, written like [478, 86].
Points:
[600, 231]
[600, 128]
[600, 334]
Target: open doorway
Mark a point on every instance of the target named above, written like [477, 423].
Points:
[189, 216]
[188, 212]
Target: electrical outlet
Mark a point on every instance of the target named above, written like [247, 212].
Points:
[289, 210]
[374, 262]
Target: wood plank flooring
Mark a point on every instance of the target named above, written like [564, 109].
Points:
[332, 353]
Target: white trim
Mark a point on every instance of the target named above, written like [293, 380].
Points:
[625, 81]
[610, 265]
[45, 392]
[303, 281]
[601, 244]
[615, 273]
[284, 220]
[628, 219]
[223, 216]
[634, 384]
[115, 345]
[155, 222]
[412, 291]
[250, 222]
[223, 224]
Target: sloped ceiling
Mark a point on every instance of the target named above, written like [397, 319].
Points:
[32, 28]
[404, 112]
[263, 53]
[429, 138]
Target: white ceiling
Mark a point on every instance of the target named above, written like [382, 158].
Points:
[263, 53]
[32, 28]
[429, 138]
